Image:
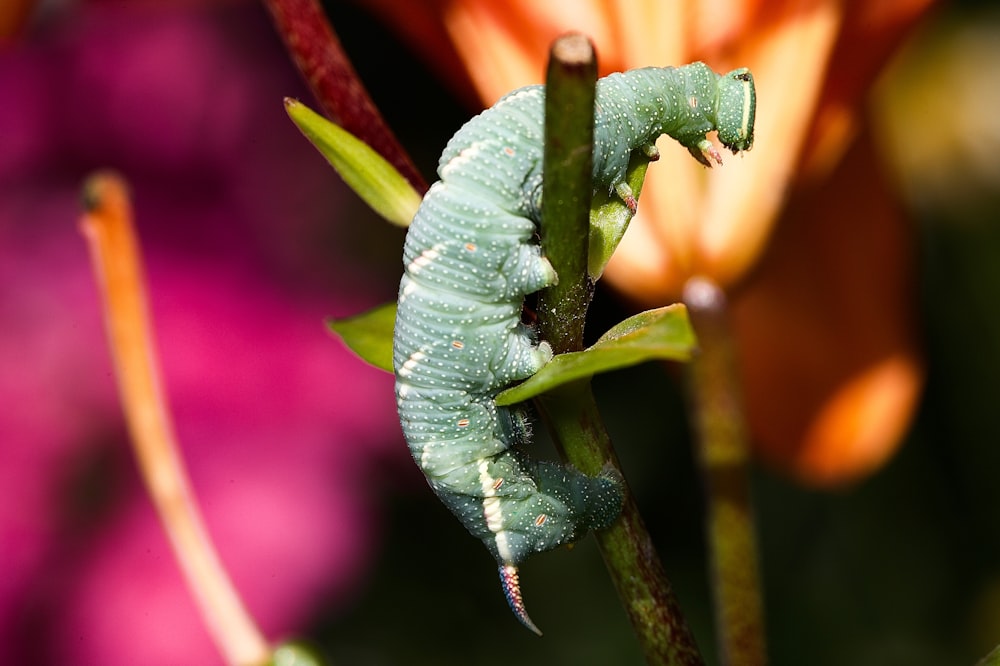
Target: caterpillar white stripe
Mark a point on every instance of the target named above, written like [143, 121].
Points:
[470, 258]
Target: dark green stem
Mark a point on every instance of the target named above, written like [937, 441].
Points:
[626, 547]
[724, 457]
[567, 172]
[570, 411]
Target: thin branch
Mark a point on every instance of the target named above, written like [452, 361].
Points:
[567, 172]
[724, 458]
[107, 226]
[571, 411]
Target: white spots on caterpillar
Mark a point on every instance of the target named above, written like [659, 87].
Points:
[465, 156]
[748, 106]
[409, 287]
[502, 541]
[424, 259]
[491, 503]
[524, 93]
[493, 511]
[411, 364]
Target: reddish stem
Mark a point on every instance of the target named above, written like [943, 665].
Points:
[317, 53]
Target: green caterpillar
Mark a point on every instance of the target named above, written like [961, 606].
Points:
[470, 258]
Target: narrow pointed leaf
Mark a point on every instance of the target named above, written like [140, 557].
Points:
[992, 659]
[293, 654]
[373, 179]
[369, 334]
[610, 217]
[660, 334]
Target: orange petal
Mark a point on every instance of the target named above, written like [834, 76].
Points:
[880, 27]
[826, 325]
[716, 222]
[744, 198]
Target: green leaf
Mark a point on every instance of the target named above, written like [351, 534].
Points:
[373, 179]
[992, 659]
[293, 654]
[610, 217]
[369, 334]
[660, 334]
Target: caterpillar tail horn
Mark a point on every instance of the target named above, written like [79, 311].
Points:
[512, 590]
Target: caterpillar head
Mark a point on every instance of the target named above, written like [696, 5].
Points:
[736, 105]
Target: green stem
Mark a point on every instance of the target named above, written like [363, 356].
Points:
[567, 173]
[626, 547]
[724, 458]
[570, 411]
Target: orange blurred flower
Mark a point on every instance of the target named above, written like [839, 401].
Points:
[803, 232]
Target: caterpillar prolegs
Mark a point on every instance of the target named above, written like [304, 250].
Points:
[470, 258]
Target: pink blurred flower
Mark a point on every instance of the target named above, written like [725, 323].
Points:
[232, 209]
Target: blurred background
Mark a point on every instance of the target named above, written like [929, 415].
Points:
[327, 527]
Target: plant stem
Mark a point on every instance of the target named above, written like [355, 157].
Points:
[571, 411]
[107, 226]
[567, 172]
[317, 53]
[626, 547]
[724, 458]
